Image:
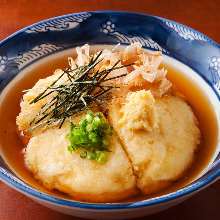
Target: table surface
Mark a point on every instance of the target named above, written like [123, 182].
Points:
[202, 15]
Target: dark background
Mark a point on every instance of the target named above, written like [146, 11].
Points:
[203, 15]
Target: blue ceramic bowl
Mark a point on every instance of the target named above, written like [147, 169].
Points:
[191, 51]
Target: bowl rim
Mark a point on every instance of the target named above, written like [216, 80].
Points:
[35, 194]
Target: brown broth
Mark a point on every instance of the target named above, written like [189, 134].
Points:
[11, 144]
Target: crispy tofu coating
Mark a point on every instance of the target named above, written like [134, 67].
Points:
[160, 140]
[48, 158]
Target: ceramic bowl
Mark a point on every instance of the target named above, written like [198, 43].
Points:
[191, 51]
